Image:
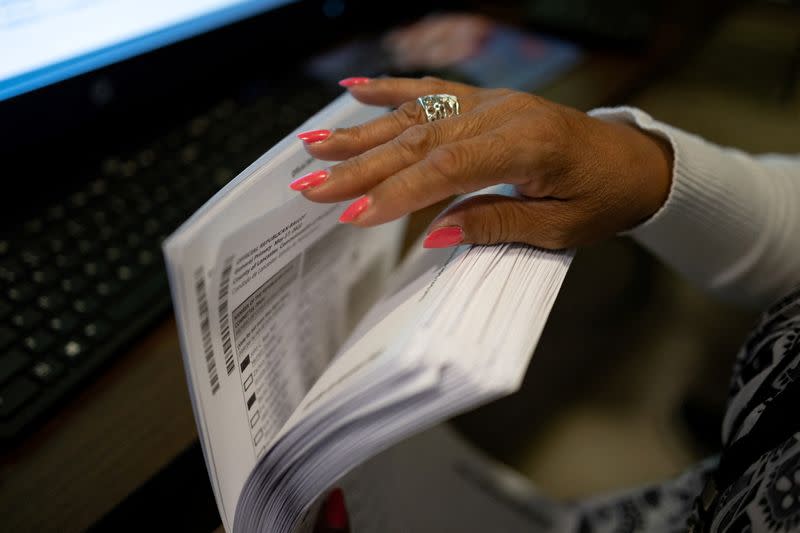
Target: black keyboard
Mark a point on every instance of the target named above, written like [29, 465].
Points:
[84, 277]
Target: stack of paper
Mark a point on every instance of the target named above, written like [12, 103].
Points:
[267, 286]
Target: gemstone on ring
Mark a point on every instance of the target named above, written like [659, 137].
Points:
[439, 106]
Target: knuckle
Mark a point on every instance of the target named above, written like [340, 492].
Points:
[446, 161]
[408, 114]
[497, 151]
[520, 100]
[355, 166]
[417, 139]
[495, 225]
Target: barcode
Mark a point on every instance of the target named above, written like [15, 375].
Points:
[224, 323]
[205, 329]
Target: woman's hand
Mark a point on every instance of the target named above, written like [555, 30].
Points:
[579, 179]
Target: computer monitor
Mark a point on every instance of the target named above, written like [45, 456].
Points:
[55, 40]
[88, 79]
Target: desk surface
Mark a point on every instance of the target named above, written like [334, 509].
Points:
[136, 418]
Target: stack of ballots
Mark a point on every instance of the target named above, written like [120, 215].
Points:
[308, 352]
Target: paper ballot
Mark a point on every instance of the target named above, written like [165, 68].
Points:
[307, 353]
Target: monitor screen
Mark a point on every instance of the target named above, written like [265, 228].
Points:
[45, 41]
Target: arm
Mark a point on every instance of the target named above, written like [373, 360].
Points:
[731, 222]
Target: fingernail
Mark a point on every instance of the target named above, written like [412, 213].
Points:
[312, 179]
[349, 82]
[314, 136]
[335, 513]
[354, 210]
[444, 237]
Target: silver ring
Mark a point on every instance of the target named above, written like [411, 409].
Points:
[439, 106]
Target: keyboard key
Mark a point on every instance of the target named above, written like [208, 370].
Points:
[21, 292]
[151, 226]
[86, 246]
[74, 284]
[101, 235]
[56, 244]
[146, 158]
[127, 272]
[47, 370]
[33, 255]
[51, 301]
[39, 341]
[86, 305]
[56, 212]
[99, 217]
[64, 323]
[12, 363]
[95, 269]
[15, 394]
[145, 258]
[73, 350]
[45, 275]
[75, 228]
[78, 200]
[108, 288]
[128, 168]
[26, 318]
[110, 165]
[114, 253]
[134, 239]
[98, 187]
[97, 330]
[67, 259]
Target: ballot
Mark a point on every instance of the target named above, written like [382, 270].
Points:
[311, 350]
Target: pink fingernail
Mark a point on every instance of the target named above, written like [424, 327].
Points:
[354, 210]
[314, 136]
[312, 179]
[349, 82]
[444, 237]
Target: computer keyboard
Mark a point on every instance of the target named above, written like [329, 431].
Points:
[84, 277]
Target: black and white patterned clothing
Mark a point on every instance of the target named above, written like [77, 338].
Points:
[767, 497]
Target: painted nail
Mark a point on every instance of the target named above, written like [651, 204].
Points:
[335, 513]
[312, 179]
[349, 82]
[354, 210]
[314, 136]
[444, 237]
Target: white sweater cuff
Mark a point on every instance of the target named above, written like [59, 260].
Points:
[716, 226]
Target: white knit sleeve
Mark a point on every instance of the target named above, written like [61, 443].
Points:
[731, 222]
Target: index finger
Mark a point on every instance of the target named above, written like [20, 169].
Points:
[392, 92]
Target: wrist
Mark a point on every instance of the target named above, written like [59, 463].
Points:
[647, 162]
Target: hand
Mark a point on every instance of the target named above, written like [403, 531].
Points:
[579, 179]
[438, 40]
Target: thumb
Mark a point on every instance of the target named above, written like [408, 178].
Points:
[492, 219]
